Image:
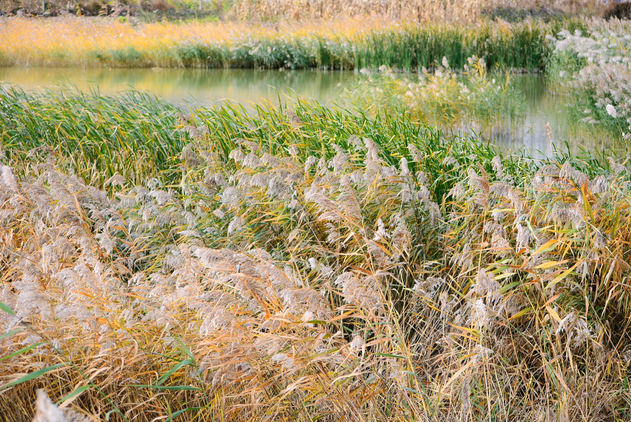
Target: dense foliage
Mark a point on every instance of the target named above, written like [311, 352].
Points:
[337, 44]
[307, 264]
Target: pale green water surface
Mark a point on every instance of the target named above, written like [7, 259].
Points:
[543, 124]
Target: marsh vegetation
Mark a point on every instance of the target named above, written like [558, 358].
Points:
[295, 260]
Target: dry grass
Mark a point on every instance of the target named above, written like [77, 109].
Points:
[310, 264]
[274, 10]
[414, 10]
[343, 43]
[81, 41]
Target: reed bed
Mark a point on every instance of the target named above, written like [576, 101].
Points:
[275, 10]
[595, 67]
[444, 97]
[416, 10]
[310, 263]
[134, 136]
[350, 43]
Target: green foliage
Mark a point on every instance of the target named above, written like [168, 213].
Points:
[443, 98]
[591, 72]
[412, 47]
[134, 135]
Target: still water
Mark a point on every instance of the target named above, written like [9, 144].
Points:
[202, 87]
[542, 125]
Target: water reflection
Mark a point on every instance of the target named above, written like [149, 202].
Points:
[544, 125]
[545, 122]
[190, 86]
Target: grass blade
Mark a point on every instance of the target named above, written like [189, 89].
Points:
[32, 375]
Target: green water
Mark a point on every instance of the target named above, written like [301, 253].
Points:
[190, 86]
[543, 125]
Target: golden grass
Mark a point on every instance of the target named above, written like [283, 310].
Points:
[344, 43]
[415, 10]
[311, 264]
[29, 42]
[453, 11]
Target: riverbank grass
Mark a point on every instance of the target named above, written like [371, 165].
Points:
[303, 263]
[351, 43]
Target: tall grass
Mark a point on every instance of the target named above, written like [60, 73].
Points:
[275, 10]
[135, 136]
[314, 264]
[416, 10]
[338, 44]
[444, 97]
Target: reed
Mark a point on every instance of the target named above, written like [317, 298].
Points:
[275, 10]
[444, 98]
[310, 263]
[594, 69]
[350, 43]
[135, 136]
[416, 10]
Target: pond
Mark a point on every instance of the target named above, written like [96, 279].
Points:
[543, 125]
[197, 87]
